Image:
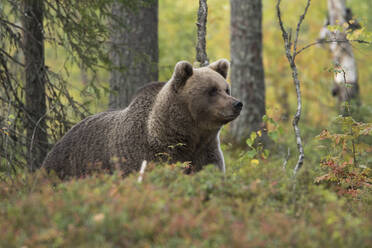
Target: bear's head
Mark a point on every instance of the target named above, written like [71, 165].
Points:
[205, 93]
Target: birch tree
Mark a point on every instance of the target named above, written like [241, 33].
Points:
[345, 79]
[291, 51]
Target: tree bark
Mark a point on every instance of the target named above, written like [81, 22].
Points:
[346, 78]
[35, 83]
[291, 53]
[247, 73]
[134, 51]
[201, 53]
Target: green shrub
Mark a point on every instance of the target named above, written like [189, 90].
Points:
[247, 207]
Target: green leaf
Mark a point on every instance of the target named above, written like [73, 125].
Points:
[251, 154]
[253, 136]
[274, 135]
[280, 130]
[249, 142]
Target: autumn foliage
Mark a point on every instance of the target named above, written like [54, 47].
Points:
[170, 209]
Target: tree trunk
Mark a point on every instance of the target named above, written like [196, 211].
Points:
[35, 83]
[247, 73]
[346, 78]
[134, 50]
[201, 52]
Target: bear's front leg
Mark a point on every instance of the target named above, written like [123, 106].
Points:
[212, 154]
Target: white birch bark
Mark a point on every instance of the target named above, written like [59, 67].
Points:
[346, 71]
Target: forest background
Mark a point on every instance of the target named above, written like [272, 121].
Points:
[258, 203]
[177, 41]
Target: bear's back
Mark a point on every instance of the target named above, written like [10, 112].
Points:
[107, 139]
[128, 141]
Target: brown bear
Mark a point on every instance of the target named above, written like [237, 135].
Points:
[175, 121]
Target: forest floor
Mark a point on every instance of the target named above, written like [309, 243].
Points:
[255, 204]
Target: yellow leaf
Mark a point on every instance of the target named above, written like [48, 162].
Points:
[255, 161]
[259, 133]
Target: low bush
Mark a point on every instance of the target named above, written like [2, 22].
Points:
[251, 206]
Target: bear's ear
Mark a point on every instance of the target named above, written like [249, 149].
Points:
[182, 71]
[221, 66]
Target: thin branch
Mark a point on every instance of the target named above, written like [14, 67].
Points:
[284, 32]
[287, 40]
[296, 119]
[12, 24]
[331, 41]
[34, 132]
[302, 17]
[355, 162]
[291, 59]
[286, 159]
[11, 57]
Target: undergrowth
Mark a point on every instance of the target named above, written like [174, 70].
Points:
[257, 203]
[247, 207]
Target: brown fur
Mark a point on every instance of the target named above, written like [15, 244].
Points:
[178, 120]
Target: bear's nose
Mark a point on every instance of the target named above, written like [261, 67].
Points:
[238, 105]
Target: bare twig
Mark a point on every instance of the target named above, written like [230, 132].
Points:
[286, 159]
[330, 41]
[34, 132]
[291, 56]
[348, 110]
[11, 57]
[142, 171]
[201, 54]
[302, 17]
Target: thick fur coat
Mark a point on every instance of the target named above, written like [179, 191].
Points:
[175, 121]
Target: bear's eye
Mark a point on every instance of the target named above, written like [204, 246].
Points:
[228, 91]
[213, 91]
